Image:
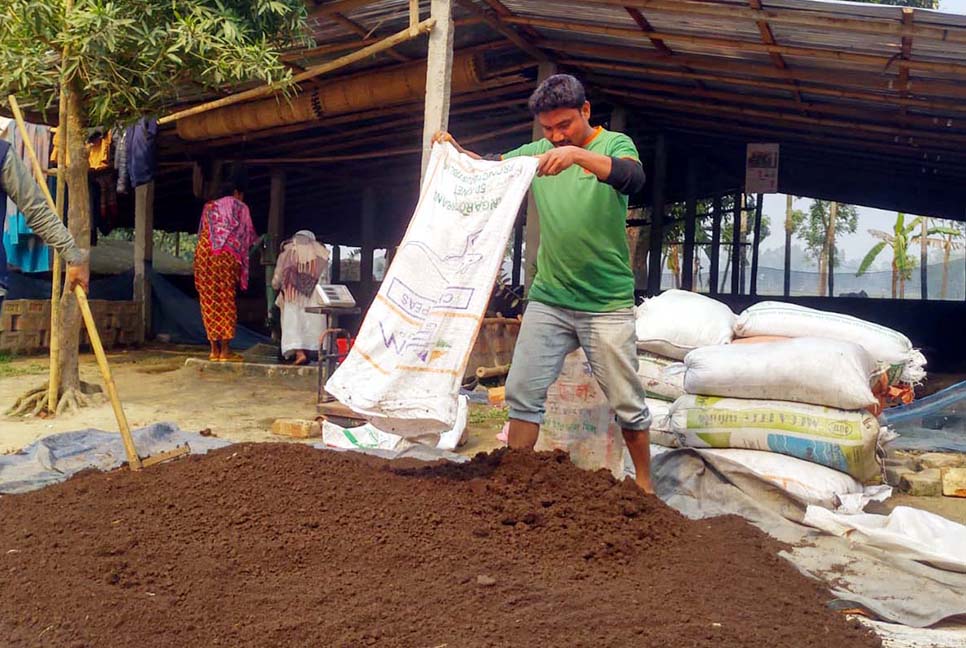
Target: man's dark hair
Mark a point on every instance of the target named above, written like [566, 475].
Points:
[557, 91]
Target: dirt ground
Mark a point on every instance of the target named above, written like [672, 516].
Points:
[154, 385]
[282, 545]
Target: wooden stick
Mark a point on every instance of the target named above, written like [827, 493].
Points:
[132, 456]
[168, 455]
[492, 372]
[413, 15]
[255, 93]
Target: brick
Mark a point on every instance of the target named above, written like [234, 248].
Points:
[954, 482]
[925, 483]
[942, 460]
[297, 428]
[893, 474]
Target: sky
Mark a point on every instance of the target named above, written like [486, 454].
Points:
[953, 6]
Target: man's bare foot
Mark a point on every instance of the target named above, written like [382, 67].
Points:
[645, 485]
[300, 358]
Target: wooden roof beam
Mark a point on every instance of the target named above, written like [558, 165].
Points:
[337, 6]
[790, 16]
[764, 29]
[658, 44]
[698, 61]
[945, 141]
[873, 60]
[499, 25]
[906, 51]
[953, 107]
[363, 33]
[938, 127]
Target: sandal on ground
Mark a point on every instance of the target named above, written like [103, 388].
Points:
[231, 357]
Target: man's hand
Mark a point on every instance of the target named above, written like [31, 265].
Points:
[79, 275]
[443, 136]
[557, 160]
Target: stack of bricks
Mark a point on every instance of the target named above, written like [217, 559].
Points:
[25, 324]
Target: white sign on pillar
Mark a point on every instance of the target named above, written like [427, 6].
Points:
[761, 168]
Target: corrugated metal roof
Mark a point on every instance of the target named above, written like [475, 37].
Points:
[834, 70]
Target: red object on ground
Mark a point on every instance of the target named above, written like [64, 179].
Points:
[277, 544]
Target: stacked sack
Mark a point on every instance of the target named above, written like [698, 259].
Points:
[780, 378]
[668, 327]
[899, 366]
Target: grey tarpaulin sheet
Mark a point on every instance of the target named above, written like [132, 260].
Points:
[898, 590]
[58, 456]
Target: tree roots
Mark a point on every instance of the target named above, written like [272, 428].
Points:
[34, 402]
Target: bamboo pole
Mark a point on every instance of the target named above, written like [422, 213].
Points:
[132, 456]
[256, 93]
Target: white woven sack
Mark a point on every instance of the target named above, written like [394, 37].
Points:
[889, 348]
[803, 370]
[406, 365]
[662, 378]
[678, 321]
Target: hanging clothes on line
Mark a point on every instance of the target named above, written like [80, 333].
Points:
[24, 249]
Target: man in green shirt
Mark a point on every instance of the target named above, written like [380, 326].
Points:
[583, 292]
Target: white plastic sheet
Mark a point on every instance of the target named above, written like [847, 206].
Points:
[908, 533]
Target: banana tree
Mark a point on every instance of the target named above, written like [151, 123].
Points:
[902, 263]
[900, 240]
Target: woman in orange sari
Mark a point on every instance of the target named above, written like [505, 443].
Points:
[225, 237]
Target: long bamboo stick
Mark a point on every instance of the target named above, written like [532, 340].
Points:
[53, 382]
[132, 455]
[389, 42]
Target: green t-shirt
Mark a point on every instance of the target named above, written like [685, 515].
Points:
[584, 260]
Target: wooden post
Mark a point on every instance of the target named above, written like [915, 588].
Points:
[759, 200]
[715, 245]
[518, 247]
[657, 217]
[736, 246]
[336, 275]
[690, 225]
[439, 74]
[368, 218]
[143, 254]
[532, 228]
[618, 119]
[276, 227]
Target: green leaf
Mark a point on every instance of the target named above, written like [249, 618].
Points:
[870, 258]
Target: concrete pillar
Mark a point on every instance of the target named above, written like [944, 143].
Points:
[532, 235]
[143, 254]
[439, 73]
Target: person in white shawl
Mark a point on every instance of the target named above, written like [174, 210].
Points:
[302, 262]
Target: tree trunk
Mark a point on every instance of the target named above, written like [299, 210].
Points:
[826, 260]
[946, 248]
[895, 278]
[79, 224]
[923, 258]
[789, 225]
[724, 279]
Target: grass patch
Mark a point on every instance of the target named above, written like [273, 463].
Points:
[480, 414]
[9, 368]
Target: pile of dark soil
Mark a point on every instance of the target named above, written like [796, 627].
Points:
[283, 545]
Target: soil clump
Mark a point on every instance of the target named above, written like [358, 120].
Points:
[284, 545]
